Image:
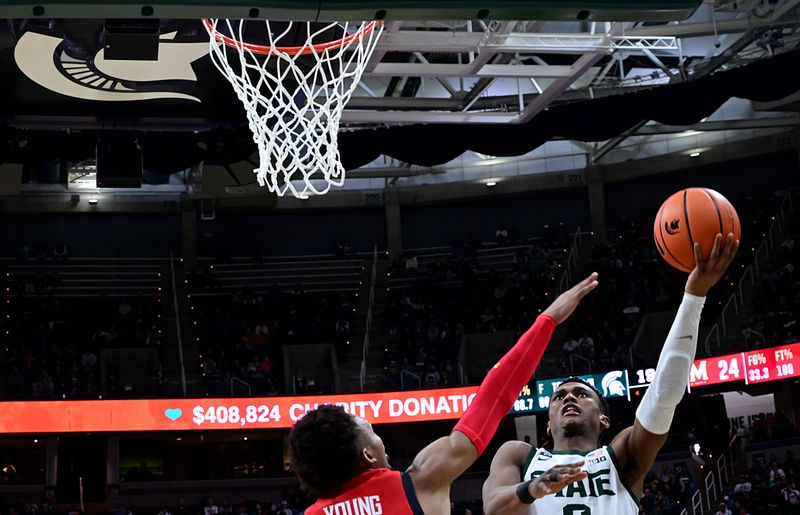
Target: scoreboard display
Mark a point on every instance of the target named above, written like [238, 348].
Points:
[755, 366]
[772, 364]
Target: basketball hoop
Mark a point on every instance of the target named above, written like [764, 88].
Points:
[294, 96]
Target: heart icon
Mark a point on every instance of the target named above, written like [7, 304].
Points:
[173, 413]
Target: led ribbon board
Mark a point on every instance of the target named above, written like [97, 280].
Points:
[757, 366]
[209, 414]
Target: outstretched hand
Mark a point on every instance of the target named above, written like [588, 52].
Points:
[556, 479]
[707, 274]
[566, 303]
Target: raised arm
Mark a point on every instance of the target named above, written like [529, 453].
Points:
[637, 446]
[440, 463]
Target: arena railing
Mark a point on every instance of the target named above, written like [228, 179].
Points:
[714, 486]
[571, 261]
[80, 277]
[250, 388]
[572, 357]
[711, 489]
[412, 375]
[497, 258]
[697, 503]
[722, 473]
[368, 325]
[761, 257]
[178, 334]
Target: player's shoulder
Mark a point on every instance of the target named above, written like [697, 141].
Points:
[514, 451]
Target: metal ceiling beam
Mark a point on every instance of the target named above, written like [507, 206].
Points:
[557, 87]
[784, 8]
[377, 54]
[409, 117]
[446, 85]
[485, 55]
[615, 142]
[520, 42]
[465, 70]
[696, 30]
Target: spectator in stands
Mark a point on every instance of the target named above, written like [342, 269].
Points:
[210, 508]
[262, 330]
[163, 509]
[124, 309]
[723, 509]
[743, 486]
[776, 474]
[501, 235]
[411, 264]
[88, 360]
[432, 378]
[449, 377]
[791, 496]
[60, 250]
[118, 508]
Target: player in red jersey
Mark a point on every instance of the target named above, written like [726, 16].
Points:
[340, 460]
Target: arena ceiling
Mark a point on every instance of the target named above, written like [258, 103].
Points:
[432, 91]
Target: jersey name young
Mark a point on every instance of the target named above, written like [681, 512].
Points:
[369, 505]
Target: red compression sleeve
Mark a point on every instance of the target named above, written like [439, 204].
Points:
[503, 383]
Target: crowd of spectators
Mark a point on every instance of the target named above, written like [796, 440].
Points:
[667, 492]
[775, 310]
[53, 345]
[635, 281]
[241, 335]
[426, 318]
[429, 312]
[768, 487]
[56, 349]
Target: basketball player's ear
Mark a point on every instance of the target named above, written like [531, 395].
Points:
[367, 458]
[548, 429]
[605, 422]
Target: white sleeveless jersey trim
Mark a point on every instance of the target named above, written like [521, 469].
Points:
[603, 492]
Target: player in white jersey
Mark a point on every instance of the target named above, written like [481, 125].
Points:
[578, 478]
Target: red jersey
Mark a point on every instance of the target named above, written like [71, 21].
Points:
[374, 492]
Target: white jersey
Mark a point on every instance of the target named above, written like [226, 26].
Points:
[603, 492]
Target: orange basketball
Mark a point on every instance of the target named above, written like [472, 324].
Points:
[693, 215]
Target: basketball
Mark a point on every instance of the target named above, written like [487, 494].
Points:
[689, 216]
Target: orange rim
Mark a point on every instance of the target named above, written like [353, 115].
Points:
[290, 50]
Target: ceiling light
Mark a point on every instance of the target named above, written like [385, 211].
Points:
[93, 201]
[491, 184]
[693, 154]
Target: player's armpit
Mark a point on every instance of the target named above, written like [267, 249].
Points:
[636, 449]
[500, 489]
[440, 463]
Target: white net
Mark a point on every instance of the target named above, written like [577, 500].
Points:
[294, 97]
